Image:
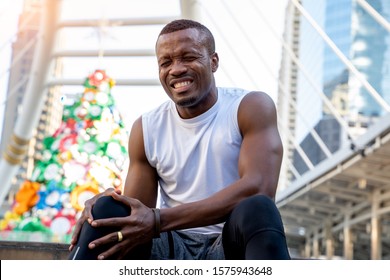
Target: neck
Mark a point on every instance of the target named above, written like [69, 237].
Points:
[187, 112]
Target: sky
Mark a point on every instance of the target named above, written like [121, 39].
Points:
[249, 52]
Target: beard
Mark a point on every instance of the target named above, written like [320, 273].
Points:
[189, 102]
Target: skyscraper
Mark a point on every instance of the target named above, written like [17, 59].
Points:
[366, 44]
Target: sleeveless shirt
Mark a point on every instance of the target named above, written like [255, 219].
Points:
[196, 157]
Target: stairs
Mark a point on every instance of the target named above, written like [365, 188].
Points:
[15, 250]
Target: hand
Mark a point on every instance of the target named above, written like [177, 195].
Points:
[86, 215]
[137, 229]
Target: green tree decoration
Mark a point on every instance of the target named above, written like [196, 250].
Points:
[86, 155]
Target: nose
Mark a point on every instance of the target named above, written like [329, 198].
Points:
[178, 68]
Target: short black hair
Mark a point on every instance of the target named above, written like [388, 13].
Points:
[182, 24]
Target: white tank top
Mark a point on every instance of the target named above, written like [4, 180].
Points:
[197, 157]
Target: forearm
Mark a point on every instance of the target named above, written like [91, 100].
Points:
[216, 208]
[209, 211]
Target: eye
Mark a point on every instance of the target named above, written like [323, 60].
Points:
[189, 58]
[165, 63]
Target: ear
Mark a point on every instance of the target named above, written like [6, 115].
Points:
[214, 62]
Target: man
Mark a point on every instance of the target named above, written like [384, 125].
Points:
[211, 155]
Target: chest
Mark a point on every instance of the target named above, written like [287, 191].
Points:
[198, 148]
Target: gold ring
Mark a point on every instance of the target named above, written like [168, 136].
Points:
[120, 236]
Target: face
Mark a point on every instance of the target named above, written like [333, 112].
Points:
[186, 71]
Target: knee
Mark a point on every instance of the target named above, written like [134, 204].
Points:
[255, 204]
[107, 207]
[259, 210]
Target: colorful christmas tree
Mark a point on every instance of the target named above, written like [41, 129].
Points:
[86, 155]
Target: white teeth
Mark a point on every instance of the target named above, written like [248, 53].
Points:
[181, 84]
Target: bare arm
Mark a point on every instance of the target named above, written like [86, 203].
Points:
[141, 180]
[259, 166]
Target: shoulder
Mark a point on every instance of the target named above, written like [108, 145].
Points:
[256, 107]
[258, 100]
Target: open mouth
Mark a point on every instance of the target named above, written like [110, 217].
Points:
[181, 84]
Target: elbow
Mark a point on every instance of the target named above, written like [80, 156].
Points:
[268, 188]
[277, 149]
[259, 185]
[264, 182]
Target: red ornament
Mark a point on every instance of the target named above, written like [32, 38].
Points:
[97, 78]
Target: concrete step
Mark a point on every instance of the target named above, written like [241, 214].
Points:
[14, 250]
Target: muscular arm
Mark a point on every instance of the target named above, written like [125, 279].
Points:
[259, 166]
[141, 180]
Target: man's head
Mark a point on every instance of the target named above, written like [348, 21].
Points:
[187, 61]
[181, 24]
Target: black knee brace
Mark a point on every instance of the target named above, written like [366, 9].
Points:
[254, 230]
[105, 207]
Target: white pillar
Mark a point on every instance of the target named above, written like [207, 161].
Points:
[307, 254]
[348, 243]
[316, 246]
[329, 240]
[376, 232]
[33, 98]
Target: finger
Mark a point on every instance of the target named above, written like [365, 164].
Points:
[76, 232]
[110, 222]
[114, 250]
[125, 200]
[125, 249]
[118, 250]
[110, 191]
[111, 238]
[87, 211]
[88, 214]
[117, 196]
